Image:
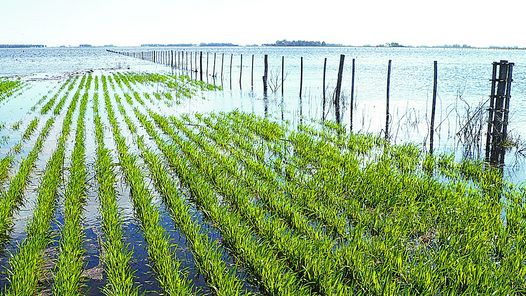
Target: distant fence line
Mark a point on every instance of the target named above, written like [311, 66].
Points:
[498, 111]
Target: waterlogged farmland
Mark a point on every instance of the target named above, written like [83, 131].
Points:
[110, 187]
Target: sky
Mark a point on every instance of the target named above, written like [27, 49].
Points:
[244, 22]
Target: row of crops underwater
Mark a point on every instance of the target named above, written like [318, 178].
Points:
[104, 190]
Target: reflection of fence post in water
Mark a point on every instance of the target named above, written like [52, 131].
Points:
[338, 91]
[498, 112]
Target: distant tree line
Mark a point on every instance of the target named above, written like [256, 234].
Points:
[300, 43]
[167, 45]
[20, 45]
[190, 44]
[217, 44]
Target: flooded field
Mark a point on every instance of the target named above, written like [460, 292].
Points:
[120, 176]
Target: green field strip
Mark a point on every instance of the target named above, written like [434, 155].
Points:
[25, 267]
[116, 256]
[68, 86]
[272, 273]
[69, 267]
[262, 182]
[9, 87]
[7, 161]
[311, 257]
[164, 262]
[11, 198]
[207, 254]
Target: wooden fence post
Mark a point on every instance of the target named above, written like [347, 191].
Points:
[301, 76]
[352, 95]
[339, 90]
[214, 67]
[240, 70]
[201, 65]
[222, 62]
[265, 74]
[252, 74]
[191, 66]
[491, 110]
[498, 113]
[196, 69]
[324, 98]
[282, 75]
[433, 107]
[387, 115]
[231, 59]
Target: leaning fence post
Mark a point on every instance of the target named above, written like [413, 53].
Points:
[339, 90]
[433, 106]
[387, 115]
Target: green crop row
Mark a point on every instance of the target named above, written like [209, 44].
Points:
[9, 87]
[311, 256]
[49, 104]
[70, 260]
[116, 256]
[25, 267]
[272, 273]
[71, 86]
[394, 173]
[206, 252]
[183, 86]
[11, 198]
[167, 267]
[7, 161]
[335, 178]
